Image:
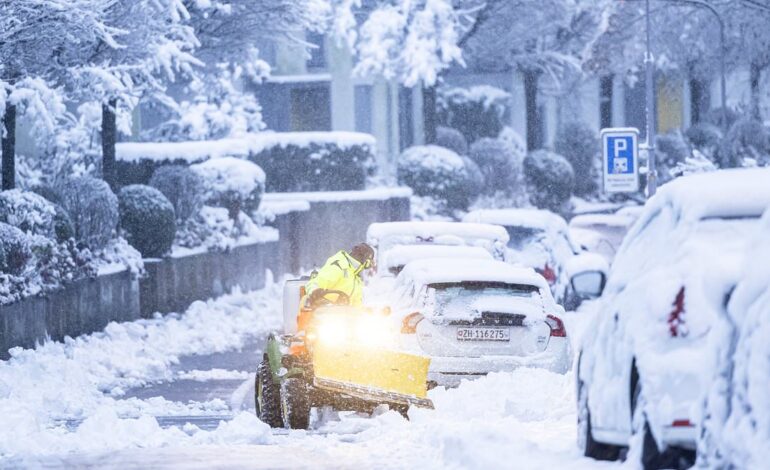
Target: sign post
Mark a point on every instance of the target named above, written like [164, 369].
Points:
[620, 155]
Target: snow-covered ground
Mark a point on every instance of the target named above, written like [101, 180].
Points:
[66, 405]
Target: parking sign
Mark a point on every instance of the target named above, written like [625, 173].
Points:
[620, 151]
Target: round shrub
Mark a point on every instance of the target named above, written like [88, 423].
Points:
[232, 183]
[550, 180]
[705, 138]
[182, 187]
[437, 172]
[14, 249]
[451, 139]
[747, 139]
[147, 218]
[27, 211]
[579, 144]
[515, 142]
[475, 174]
[93, 209]
[716, 116]
[670, 150]
[496, 162]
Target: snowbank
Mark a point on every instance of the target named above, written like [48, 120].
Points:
[82, 378]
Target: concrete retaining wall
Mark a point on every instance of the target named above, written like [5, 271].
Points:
[312, 227]
[81, 307]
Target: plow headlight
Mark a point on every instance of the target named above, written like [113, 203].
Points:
[363, 330]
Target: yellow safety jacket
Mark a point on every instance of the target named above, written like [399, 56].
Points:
[341, 272]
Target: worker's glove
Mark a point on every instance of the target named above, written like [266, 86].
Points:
[315, 296]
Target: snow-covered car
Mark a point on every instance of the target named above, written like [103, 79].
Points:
[601, 233]
[540, 239]
[736, 430]
[478, 316]
[387, 235]
[650, 350]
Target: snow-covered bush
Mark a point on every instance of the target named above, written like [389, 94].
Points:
[451, 139]
[232, 183]
[316, 165]
[579, 144]
[747, 143]
[183, 188]
[437, 172]
[496, 161]
[476, 111]
[671, 150]
[27, 211]
[14, 249]
[514, 141]
[715, 117]
[62, 224]
[147, 220]
[93, 209]
[705, 138]
[550, 180]
[475, 173]
[59, 263]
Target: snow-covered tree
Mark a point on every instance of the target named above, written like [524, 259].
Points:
[40, 40]
[549, 39]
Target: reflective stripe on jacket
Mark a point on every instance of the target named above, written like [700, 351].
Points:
[340, 272]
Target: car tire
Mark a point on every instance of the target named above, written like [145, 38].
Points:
[267, 398]
[295, 403]
[654, 458]
[591, 448]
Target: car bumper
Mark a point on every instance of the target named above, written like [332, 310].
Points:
[451, 371]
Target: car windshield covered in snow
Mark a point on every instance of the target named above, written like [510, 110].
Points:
[450, 297]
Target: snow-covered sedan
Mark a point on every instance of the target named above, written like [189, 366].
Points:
[478, 316]
[651, 349]
[540, 239]
[601, 233]
[387, 235]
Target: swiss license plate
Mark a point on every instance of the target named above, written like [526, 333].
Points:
[483, 334]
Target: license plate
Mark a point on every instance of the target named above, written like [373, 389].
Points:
[483, 334]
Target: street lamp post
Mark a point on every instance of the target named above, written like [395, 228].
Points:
[650, 124]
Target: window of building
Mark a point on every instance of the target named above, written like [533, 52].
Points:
[310, 108]
[317, 60]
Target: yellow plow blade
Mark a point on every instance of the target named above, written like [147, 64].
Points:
[373, 374]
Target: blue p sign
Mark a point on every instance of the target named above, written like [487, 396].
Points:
[619, 150]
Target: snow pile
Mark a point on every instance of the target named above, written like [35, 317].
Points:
[374, 194]
[82, 378]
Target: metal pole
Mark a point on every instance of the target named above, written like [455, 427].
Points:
[650, 89]
[722, 69]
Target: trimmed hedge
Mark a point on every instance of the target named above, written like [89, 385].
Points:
[316, 167]
[497, 162]
[476, 112]
[451, 139]
[147, 219]
[232, 183]
[27, 211]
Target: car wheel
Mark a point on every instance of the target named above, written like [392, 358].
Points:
[586, 443]
[653, 458]
[295, 404]
[267, 396]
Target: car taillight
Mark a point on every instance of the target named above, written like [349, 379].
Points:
[556, 325]
[676, 322]
[548, 273]
[409, 324]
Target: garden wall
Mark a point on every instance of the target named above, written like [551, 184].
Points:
[311, 226]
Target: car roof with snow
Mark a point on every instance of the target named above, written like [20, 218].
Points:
[427, 230]
[532, 218]
[732, 193]
[401, 255]
[610, 220]
[441, 270]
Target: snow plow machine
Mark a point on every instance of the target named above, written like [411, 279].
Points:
[334, 355]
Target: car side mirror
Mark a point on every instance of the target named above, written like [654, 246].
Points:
[588, 284]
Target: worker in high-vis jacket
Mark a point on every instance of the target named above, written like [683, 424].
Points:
[342, 272]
